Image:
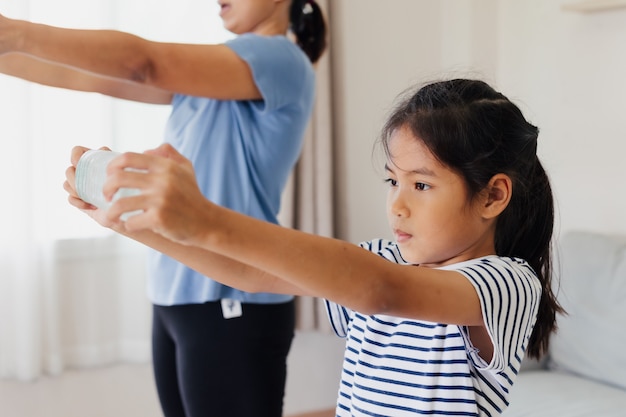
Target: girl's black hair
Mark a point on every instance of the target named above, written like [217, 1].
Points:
[479, 132]
[309, 27]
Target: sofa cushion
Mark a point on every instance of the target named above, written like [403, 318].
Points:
[559, 394]
[591, 338]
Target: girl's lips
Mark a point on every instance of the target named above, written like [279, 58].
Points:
[402, 236]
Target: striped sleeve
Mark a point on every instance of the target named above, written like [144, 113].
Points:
[340, 316]
[509, 293]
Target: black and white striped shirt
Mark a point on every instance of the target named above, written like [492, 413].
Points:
[398, 367]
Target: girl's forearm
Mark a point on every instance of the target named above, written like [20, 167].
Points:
[220, 268]
[323, 267]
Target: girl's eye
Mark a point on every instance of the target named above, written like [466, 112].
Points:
[391, 182]
[420, 186]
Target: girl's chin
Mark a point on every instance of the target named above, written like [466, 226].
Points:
[407, 255]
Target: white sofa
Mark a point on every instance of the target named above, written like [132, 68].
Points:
[584, 373]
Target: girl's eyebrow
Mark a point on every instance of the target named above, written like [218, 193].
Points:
[420, 171]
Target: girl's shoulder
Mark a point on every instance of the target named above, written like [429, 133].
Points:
[494, 274]
[389, 249]
[490, 260]
[385, 248]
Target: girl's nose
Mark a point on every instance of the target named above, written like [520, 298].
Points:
[397, 204]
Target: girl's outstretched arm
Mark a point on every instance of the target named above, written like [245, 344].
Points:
[329, 268]
[226, 270]
[203, 70]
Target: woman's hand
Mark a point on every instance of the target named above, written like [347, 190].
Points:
[170, 201]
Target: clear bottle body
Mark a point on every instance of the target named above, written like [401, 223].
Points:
[91, 176]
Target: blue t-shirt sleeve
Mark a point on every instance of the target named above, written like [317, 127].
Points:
[280, 68]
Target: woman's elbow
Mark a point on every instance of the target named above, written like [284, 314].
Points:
[141, 72]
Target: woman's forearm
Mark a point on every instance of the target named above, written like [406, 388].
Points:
[111, 53]
[213, 71]
[30, 68]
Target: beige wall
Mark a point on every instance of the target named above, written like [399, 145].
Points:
[565, 70]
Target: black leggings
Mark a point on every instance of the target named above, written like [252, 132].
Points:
[208, 366]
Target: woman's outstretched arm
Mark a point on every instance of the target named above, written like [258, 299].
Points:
[203, 70]
[51, 74]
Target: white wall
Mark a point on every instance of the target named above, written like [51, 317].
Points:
[569, 69]
[564, 69]
[378, 52]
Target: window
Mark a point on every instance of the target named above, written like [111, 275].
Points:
[41, 124]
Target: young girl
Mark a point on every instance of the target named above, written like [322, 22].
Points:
[438, 321]
[239, 111]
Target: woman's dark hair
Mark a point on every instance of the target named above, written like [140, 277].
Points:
[478, 132]
[309, 27]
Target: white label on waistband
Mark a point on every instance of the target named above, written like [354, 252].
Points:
[231, 308]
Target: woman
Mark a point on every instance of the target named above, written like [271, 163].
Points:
[239, 111]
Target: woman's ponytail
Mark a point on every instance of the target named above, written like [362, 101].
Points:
[309, 27]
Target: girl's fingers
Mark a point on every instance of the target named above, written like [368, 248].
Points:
[77, 152]
[167, 151]
[70, 178]
[132, 179]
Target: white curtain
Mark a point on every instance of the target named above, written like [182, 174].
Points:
[72, 294]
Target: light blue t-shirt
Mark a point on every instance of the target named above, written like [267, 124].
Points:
[242, 152]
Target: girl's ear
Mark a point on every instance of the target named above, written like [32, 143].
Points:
[499, 191]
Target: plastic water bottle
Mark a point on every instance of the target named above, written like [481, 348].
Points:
[90, 178]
